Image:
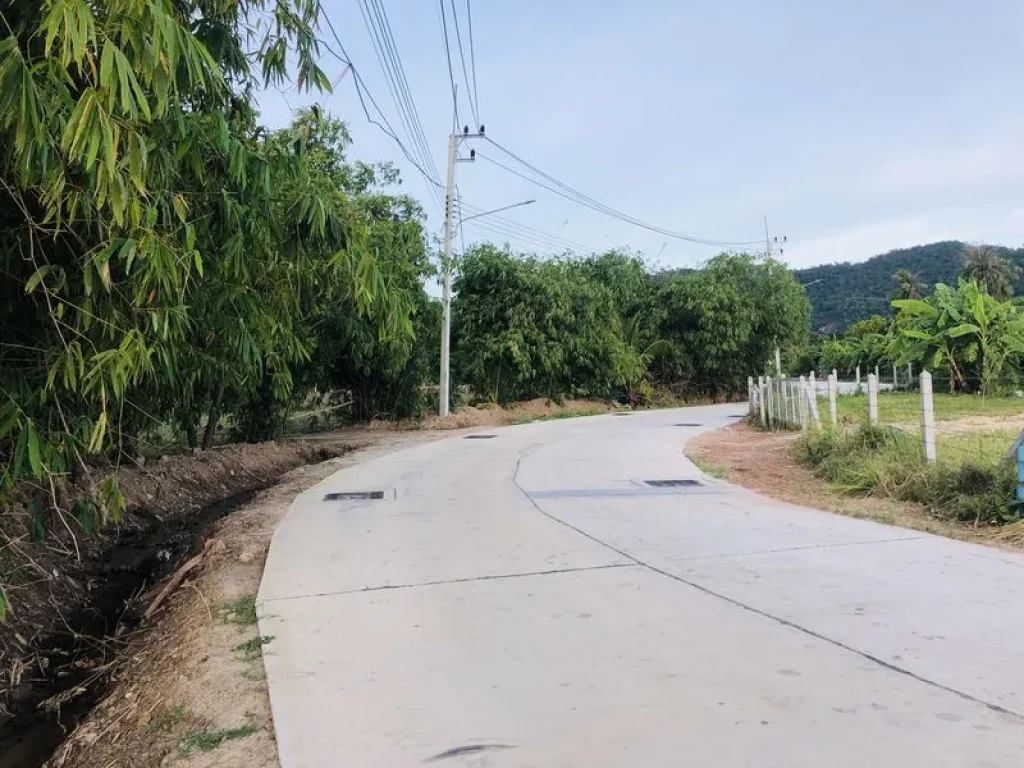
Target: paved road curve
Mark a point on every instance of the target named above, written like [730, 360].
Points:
[527, 600]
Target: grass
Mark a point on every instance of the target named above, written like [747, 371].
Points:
[241, 611]
[709, 467]
[555, 415]
[905, 407]
[164, 719]
[882, 461]
[208, 739]
[251, 648]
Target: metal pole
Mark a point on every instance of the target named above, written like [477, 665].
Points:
[446, 323]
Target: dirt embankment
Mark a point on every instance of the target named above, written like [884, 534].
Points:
[70, 591]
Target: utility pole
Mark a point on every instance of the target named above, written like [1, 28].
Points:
[454, 141]
[770, 241]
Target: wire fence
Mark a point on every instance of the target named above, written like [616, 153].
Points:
[951, 427]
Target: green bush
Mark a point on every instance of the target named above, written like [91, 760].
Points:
[884, 461]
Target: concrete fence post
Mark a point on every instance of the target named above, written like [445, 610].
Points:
[800, 402]
[835, 374]
[927, 417]
[811, 398]
[895, 377]
[750, 395]
[878, 375]
[760, 399]
[873, 399]
[769, 392]
[858, 380]
[833, 391]
[910, 375]
[813, 382]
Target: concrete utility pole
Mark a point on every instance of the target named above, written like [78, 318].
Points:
[454, 141]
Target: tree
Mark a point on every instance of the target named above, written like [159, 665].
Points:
[909, 285]
[528, 328]
[964, 329]
[724, 321]
[983, 265]
[160, 253]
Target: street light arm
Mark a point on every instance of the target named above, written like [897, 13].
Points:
[496, 210]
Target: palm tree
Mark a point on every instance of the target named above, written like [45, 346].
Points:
[987, 268]
[909, 285]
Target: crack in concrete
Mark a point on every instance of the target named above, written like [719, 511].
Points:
[758, 611]
[463, 580]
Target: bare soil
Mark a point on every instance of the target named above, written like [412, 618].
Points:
[763, 462]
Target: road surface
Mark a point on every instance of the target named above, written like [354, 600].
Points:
[529, 600]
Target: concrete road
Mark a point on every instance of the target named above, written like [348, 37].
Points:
[529, 600]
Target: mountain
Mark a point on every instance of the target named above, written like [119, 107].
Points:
[841, 294]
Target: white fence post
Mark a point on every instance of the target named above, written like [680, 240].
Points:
[873, 399]
[895, 377]
[927, 417]
[833, 391]
[813, 382]
[858, 379]
[811, 398]
[750, 395]
[801, 389]
[760, 399]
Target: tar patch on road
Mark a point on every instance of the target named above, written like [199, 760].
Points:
[470, 749]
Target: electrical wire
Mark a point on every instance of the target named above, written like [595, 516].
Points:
[403, 81]
[472, 54]
[470, 95]
[564, 190]
[557, 242]
[375, 19]
[381, 121]
[448, 56]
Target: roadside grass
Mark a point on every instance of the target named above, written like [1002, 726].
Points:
[709, 467]
[906, 407]
[529, 418]
[164, 719]
[970, 486]
[252, 647]
[241, 611]
[208, 739]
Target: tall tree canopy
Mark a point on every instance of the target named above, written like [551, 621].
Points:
[160, 250]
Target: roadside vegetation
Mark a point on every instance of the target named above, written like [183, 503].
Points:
[971, 337]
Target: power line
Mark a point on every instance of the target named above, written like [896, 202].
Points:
[375, 19]
[557, 242]
[472, 53]
[470, 91]
[564, 190]
[363, 93]
[448, 56]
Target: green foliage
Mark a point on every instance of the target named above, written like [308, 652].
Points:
[604, 327]
[887, 462]
[724, 321]
[966, 331]
[209, 739]
[842, 294]
[527, 328]
[984, 266]
[164, 258]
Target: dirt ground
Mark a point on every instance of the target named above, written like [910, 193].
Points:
[763, 462]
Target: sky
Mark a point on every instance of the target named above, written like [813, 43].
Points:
[855, 128]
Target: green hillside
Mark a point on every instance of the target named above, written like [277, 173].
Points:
[850, 292]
